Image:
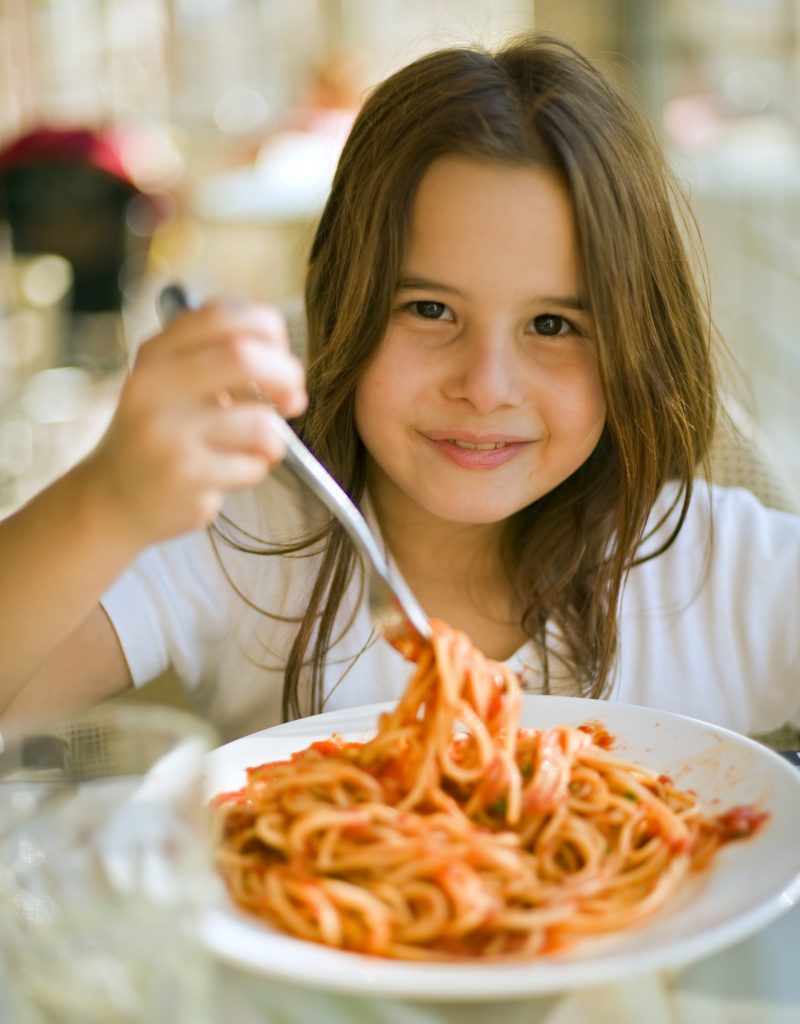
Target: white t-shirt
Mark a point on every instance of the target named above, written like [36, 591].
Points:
[714, 635]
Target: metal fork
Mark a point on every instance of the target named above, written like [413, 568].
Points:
[395, 611]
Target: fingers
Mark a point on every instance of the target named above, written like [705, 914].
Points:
[220, 317]
[231, 471]
[248, 369]
[192, 423]
[226, 348]
[245, 428]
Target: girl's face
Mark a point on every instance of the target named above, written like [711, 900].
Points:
[484, 393]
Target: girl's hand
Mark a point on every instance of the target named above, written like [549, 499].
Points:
[192, 421]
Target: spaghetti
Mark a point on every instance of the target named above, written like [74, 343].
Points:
[454, 833]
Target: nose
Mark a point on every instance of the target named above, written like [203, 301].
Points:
[485, 371]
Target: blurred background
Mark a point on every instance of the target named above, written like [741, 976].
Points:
[146, 140]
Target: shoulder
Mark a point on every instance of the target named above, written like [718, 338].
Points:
[720, 517]
[729, 549]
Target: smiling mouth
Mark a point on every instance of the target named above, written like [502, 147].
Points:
[473, 454]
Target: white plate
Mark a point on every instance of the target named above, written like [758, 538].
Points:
[749, 884]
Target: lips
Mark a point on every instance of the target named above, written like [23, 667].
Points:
[477, 451]
[475, 438]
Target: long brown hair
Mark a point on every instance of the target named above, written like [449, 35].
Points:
[537, 102]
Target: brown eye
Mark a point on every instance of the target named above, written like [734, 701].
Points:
[431, 310]
[551, 325]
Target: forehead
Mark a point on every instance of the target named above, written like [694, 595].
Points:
[469, 210]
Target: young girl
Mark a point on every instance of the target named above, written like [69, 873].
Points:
[509, 370]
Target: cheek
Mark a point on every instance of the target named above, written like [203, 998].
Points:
[595, 409]
[373, 397]
[595, 399]
[386, 385]
[576, 408]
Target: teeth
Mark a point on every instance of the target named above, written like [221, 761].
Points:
[478, 447]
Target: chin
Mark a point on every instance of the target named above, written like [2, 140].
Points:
[473, 510]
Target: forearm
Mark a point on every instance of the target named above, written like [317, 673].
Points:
[58, 555]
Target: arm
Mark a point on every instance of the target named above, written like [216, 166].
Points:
[186, 430]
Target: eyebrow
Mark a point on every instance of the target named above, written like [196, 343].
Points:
[413, 282]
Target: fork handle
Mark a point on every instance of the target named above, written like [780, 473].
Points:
[308, 468]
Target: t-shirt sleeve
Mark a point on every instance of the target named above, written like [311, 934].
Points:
[171, 609]
[186, 604]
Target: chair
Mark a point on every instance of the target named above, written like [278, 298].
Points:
[741, 456]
